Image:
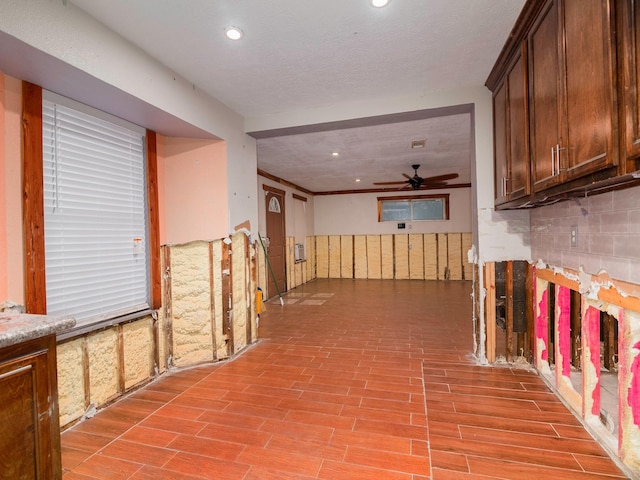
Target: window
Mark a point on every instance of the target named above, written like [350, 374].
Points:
[95, 212]
[416, 207]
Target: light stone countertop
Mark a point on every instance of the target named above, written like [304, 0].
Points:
[20, 327]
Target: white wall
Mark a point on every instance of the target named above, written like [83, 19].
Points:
[64, 50]
[357, 214]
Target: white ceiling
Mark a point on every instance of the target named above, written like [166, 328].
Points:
[302, 54]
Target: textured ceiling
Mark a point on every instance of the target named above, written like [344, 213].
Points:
[301, 54]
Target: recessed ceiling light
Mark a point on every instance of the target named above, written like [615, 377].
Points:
[335, 154]
[357, 180]
[379, 3]
[418, 143]
[233, 33]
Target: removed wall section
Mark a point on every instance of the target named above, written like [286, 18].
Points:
[208, 314]
[441, 256]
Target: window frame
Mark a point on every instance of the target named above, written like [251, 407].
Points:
[410, 198]
[33, 211]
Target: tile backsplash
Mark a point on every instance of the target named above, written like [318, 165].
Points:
[608, 234]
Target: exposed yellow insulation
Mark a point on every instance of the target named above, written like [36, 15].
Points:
[374, 266]
[191, 303]
[360, 256]
[402, 256]
[443, 257]
[416, 256]
[387, 257]
[455, 256]
[138, 352]
[311, 258]
[467, 267]
[346, 256]
[322, 256]
[70, 381]
[103, 366]
[334, 256]
[241, 299]
[430, 256]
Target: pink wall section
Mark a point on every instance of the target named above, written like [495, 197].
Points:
[11, 264]
[192, 189]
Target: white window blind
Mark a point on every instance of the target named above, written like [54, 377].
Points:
[95, 213]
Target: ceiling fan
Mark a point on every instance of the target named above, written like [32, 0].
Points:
[417, 182]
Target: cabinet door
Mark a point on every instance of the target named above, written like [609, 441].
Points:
[629, 29]
[544, 96]
[29, 442]
[587, 140]
[500, 143]
[518, 131]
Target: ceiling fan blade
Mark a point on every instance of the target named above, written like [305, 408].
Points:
[406, 176]
[389, 183]
[431, 186]
[441, 178]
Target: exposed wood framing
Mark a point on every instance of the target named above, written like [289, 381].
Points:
[32, 200]
[490, 309]
[120, 353]
[167, 307]
[212, 301]
[249, 274]
[154, 221]
[509, 310]
[227, 298]
[576, 329]
[530, 295]
[619, 293]
[86, 378]
[154, 367]
[610, 353]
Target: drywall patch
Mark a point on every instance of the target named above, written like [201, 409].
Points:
[70, 381]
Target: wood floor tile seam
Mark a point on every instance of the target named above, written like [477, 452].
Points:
[426, 416]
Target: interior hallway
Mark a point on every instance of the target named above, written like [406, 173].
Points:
[350, 380]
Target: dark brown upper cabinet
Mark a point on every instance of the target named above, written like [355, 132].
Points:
[572, 91]
[511, 132]
[581, 64]
[628, 17]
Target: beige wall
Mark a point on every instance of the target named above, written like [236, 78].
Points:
[193, 190]
[11, 245]
[357, 214]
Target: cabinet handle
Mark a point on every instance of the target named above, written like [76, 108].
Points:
[558, 148]
[553, 161]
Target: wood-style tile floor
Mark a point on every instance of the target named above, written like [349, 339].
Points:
[350, 380]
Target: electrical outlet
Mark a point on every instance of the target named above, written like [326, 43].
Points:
[574, 236]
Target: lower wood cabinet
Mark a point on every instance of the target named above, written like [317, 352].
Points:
[30, 433]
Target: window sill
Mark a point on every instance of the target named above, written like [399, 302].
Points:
[85, 329]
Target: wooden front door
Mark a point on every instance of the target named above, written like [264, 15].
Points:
[275, 242]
